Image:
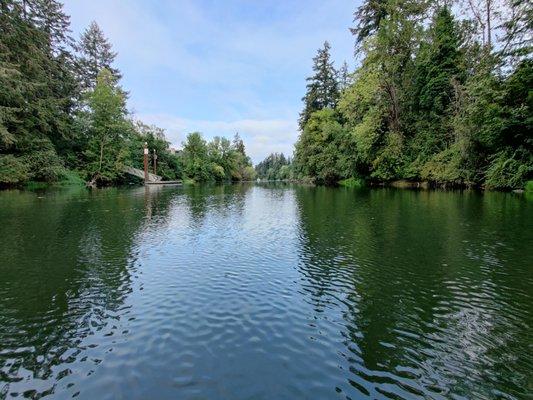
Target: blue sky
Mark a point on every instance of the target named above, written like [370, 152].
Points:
[219, 67]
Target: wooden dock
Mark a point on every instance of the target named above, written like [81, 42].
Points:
[149, 178]
[152, 178]
[161, 183]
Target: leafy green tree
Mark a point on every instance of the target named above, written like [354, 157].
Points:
[108, 132]
[495, 126]
[321, 150]
[388, 35]
[322, 86]
[195, 158]
[224, 158]
[363, 108]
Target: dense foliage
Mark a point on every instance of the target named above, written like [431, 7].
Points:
[63, 111]
[220, 159]
[434, 99]
[275, 167]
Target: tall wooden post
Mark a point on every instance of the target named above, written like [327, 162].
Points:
[155, 163]
[145, 162]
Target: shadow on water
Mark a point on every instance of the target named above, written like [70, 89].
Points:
[422, 282]
[67, 265]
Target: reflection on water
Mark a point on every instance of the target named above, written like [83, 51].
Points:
[263, 292]
[432, 289]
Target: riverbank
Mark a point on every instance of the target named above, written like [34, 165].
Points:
[73, 178]
[406, 184]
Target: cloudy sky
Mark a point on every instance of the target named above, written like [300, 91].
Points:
[220, 67]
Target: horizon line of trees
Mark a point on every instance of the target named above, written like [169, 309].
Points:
[64, 113]
[435, 97]
[275, 167]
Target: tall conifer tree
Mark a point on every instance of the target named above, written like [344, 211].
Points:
[322, 86]
[95, 54]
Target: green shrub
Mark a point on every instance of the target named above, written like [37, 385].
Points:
[188, 181]
[443, 167]
[352, 182]
[507, 171]
[71, 178]
[43, 162]
[218, 172]
[13, 170]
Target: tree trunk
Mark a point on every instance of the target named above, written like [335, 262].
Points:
[394, 110]
[489, 33]
[101, 157]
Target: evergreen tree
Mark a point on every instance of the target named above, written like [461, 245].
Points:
[518, 31]
[48, 15]
[36, 94]
[322, 87]
[275, 167]
[441, 65]
[11, 88]
[238, 144]
[95, 54]
[367, 18]
[244, 169]
[344, 76]
[439, 74]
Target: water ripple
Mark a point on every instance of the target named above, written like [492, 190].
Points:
[260, 292]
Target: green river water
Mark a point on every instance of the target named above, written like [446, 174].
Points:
[265, 292]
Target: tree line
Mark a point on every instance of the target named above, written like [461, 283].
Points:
[275, 167]
[64, 116]
[435, 97]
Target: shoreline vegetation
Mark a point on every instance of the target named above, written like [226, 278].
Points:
[64, 118]
[441, 96]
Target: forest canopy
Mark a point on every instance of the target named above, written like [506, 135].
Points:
[434, 98]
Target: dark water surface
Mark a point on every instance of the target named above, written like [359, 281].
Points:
[265, 292]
